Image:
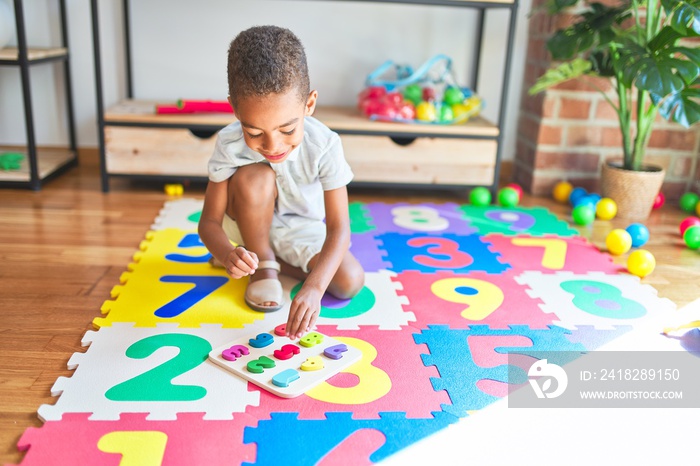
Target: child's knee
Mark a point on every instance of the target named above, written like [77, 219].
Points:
[348, 281]
[251, 182]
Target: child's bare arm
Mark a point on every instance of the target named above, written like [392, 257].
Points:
[306, 305]
[238, 261]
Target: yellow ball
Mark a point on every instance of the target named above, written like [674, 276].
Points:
[618, 241]
[562, 191]
[425, 111]
[697, 209]
[641, 263]
[606, 209]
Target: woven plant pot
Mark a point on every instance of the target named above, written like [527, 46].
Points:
[633, 191]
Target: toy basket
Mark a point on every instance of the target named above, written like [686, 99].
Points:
[428, 95]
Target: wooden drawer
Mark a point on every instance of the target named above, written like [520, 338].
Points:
[157, 151]
[422, 161]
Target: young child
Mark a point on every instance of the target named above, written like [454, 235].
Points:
[274, 177]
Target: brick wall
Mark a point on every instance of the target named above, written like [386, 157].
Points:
[568, 131]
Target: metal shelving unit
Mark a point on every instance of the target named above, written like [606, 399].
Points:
[345, 121]
[43, 164]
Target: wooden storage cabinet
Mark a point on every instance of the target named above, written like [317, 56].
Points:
[157, 151]
[429, 161]
[135, 142]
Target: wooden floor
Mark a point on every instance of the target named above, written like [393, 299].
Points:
[63, 248]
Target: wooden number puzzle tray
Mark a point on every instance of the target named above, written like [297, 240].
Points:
[285, 367]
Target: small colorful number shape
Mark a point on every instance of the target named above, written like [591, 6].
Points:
[235, 352]
[313, 363]
[335, 351]
[190, 240]
[259, 365]
[286, 352]
[281, 330]
[311, 339]
[261, 340]
[429, 254]
[284, 378]
[602, 300]
[419, 218]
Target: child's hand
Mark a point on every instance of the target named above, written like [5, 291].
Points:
[303, 312]
[241, 262]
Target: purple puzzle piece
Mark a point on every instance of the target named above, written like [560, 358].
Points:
[405, 218]
[365, 248]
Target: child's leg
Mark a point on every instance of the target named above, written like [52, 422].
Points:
[345, 284]
[252, 194]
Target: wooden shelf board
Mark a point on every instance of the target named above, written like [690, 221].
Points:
[49, 160]
[337, 118]
[33, 53]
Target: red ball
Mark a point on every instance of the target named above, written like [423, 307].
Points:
[517, 188]
[687, 223]
[659, 201]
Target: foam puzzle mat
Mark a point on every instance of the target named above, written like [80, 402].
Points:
[450, 291]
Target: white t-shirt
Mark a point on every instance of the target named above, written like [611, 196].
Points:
[316, 165]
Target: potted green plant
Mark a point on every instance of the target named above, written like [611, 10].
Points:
[645, 49]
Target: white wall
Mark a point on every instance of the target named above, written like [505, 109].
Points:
[179, 51]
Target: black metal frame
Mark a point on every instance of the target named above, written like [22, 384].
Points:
[24, 64]
[482, 8]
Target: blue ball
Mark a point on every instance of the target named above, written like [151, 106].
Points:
[639, 234]
[595, 196]
[588, 199]
[576, 194]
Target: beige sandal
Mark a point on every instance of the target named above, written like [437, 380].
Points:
[265, 290]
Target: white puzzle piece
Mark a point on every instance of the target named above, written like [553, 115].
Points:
[162, 370]
[285, 367]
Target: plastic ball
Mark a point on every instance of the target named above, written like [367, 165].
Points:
[480, 196]
[606, 209]
[414, 93]
[517, 188]
[688, 201]
[588, 200]
[583, 214]
[697, 208]
[445, 114]
[659, 200]
[576, 194]
[508, 197]
[691, 237]
[453, 95]
[641, 263]
[687, 223]
[639, 234]
[562, 191]
[425, 111]
[618, 242]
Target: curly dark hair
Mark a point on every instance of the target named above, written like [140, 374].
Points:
[266, 60]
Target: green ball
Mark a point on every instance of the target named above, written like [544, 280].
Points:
[508, 197]
[688, 201]
[445, 114]
[414, 93]
[480, 196]
[453, 95]
[692, 237]
[584, 214]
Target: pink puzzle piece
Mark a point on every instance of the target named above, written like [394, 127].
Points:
[390, 377]
[460, 301]
[483, 351]
[551, 254]
[133, 440]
